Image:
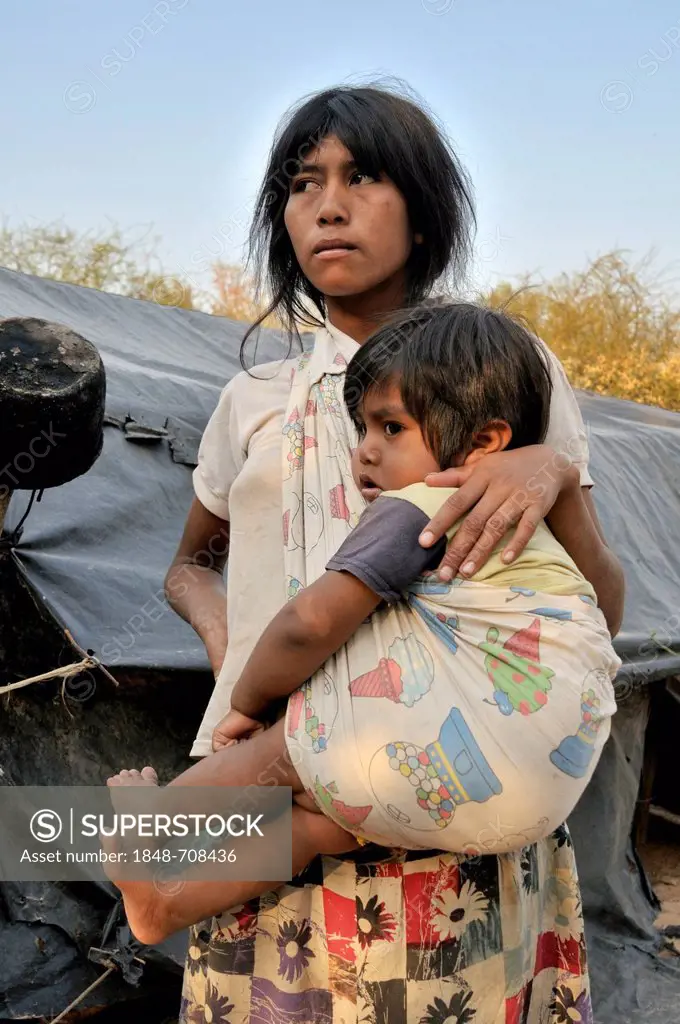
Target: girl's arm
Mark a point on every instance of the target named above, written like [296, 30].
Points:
[573, 520]
[194, 584]
[297, 642]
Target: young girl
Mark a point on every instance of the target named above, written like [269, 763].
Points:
[363, 207]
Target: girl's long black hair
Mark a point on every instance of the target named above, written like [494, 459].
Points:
[385, 133]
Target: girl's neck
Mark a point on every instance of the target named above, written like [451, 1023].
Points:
[359, 316]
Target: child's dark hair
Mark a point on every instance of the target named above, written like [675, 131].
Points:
[458, 366]
[385, 133]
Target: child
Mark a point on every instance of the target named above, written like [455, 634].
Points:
[474, 718]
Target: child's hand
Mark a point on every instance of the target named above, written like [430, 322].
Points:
[503, 489]
[234, 727]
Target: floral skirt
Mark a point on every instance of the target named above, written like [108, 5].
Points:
[423, 938]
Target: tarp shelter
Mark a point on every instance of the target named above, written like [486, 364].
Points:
[93, 555]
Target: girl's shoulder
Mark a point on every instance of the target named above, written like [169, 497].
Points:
[253, 396]
[262, 380]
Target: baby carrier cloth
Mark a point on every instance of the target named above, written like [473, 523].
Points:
[467, 717]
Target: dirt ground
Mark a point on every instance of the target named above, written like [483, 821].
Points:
[662, 863]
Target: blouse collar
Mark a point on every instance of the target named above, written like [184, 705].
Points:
[333, 350]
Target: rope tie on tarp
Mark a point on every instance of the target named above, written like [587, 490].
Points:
[64, 672]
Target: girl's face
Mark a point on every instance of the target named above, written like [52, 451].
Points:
[350, 231]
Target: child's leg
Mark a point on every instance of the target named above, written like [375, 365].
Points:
[153, 914]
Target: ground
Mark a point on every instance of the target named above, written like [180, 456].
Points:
[662, 863]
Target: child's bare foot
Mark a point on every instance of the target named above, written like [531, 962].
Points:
[123, 780]
[132, 777]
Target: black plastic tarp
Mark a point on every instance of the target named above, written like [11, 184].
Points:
[97, 549]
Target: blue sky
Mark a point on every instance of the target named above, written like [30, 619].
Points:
[160, 112]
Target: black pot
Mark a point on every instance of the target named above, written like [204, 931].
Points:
[52, 393]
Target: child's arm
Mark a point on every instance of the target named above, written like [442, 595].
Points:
[303, 635]
[376, 562]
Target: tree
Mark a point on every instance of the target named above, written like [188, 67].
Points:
[114, 261]
[108, 261]
[611, 325]
[234, 296]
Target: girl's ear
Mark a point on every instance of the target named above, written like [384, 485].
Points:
[494, 436]
[418, 238]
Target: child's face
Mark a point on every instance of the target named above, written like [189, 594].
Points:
[392, 452]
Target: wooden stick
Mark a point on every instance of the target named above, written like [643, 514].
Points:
[4, 504]
[95, 661]
[661, 812]
[82, 995]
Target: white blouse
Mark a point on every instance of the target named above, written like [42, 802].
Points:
[239, 479]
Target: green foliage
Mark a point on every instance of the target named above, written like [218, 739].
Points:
[108, 261]
[612, 326]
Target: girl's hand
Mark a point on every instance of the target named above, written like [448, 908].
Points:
[233, 728]
[501, 490]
